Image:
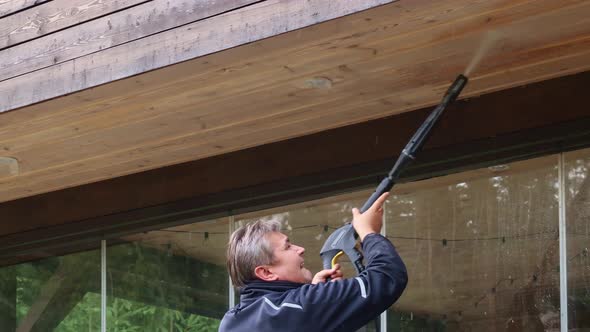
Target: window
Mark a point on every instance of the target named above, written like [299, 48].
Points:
[577, 179]
[482, 249]
[169, 280]
[59, 294]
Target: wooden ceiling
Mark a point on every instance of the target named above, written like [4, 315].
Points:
[389, 59]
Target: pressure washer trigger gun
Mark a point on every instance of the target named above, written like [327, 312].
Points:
[342, 241]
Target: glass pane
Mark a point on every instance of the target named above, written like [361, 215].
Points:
[54, 294]
[169, 280]
[481, 248]
[578, 238]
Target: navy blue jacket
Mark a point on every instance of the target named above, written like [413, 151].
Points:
[344, 305]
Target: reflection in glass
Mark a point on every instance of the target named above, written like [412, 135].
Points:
[481, 248]
[168, 280]
[577, 173]
[58, 294]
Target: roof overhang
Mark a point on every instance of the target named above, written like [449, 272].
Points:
[266, 72]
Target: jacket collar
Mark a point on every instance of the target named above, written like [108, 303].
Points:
[258, 288]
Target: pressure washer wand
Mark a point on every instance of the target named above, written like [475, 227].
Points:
[409, 152]
[344, 238]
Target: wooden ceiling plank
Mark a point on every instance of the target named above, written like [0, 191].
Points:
[54, 16]
[434, 31]
[12, 6]
[77, 107]
[388, 57]
[377, 107]
[108, 31]
[248, 24]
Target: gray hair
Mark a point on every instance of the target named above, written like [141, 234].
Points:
[248, 248]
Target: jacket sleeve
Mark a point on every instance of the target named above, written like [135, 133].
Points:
[351, 303]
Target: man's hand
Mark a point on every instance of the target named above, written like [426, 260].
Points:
[334, 274]
[371, 220]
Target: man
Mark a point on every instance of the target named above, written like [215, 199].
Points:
[279, 294]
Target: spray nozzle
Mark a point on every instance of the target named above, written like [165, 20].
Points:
[455, 89]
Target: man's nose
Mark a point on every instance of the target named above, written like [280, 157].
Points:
[300, 250]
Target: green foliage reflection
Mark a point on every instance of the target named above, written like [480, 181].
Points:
[129, 316]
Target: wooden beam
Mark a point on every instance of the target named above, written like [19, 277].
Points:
[81, 273]
[46, 294]
[69, 70]
[502, 126]
[66, 298]
[8, 7]
[51, 17]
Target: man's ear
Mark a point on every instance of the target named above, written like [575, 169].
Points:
[264, 274]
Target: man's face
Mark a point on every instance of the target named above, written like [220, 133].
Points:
[288, 259]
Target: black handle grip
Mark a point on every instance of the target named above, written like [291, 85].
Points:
[383, 187]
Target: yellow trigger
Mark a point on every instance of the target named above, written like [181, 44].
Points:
[335, 259]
